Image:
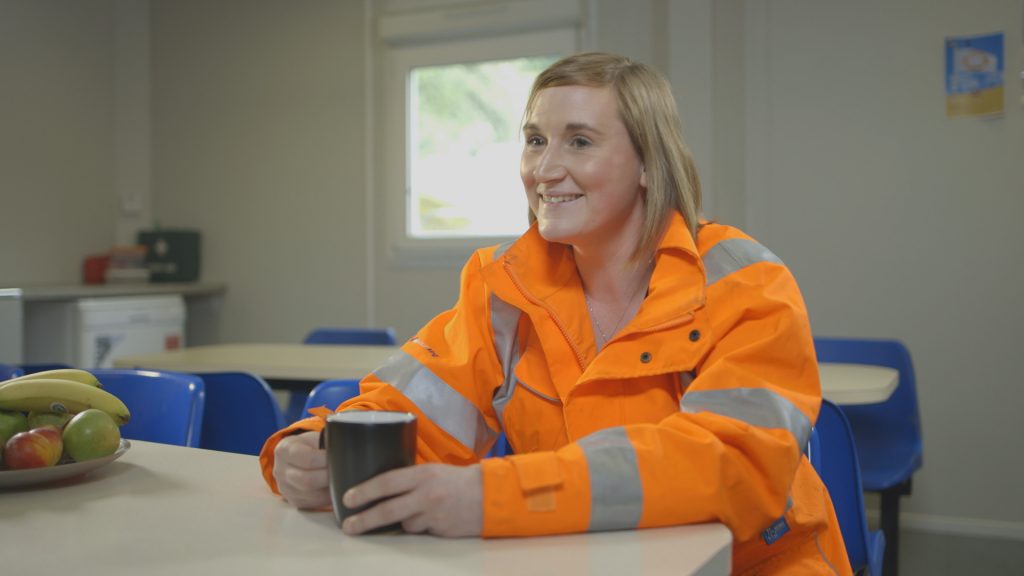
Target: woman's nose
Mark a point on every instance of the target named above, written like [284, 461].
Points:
[549, 167]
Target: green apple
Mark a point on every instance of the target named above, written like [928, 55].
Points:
[40, 419]
[91, 434]
[10, 424]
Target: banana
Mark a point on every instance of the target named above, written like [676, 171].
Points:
[74, 374]
[51, 395]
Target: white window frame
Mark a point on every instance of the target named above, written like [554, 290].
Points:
[472, 32]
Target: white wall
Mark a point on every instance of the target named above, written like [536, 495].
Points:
[258, 141]
[899, 222]
[56, 138]
[133, 138]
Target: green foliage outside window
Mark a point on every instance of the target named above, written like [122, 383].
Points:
[465, 117]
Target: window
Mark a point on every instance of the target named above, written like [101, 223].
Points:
[464, 148]
[453, 91]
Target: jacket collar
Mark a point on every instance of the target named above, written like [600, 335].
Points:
[535, 272]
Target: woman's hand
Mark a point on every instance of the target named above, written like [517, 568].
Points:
[300, 469]
[440, 499]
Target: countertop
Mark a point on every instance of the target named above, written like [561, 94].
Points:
[43, 292]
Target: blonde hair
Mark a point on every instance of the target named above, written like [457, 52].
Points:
[648, 111]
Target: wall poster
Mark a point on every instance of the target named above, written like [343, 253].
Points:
[974, 75]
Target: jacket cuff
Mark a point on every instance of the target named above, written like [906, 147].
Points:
[314, 424]
[535, 494]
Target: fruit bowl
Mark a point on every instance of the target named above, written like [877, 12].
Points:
[34, 476]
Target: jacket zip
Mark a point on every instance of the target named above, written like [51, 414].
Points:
[558, 322]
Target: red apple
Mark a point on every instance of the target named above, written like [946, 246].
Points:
[37, 448]
[54, 435]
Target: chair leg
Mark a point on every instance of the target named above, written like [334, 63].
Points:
[891, 527]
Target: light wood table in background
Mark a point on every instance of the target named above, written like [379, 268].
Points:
[312, 362]
[841, 383]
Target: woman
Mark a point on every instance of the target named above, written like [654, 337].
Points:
[647, 368]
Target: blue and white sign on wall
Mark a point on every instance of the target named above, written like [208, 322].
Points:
[974, 75]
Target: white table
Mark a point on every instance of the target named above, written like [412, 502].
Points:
[841, 383]
[163, 509]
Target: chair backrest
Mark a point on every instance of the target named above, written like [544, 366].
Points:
[352, 336]
[501, 447]
[330, 393]
[241, 412]
[895, 420]
[166, 407]
[8, 371]
[834, 456]
[33, 368]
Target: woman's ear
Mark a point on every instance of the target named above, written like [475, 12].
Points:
[643, 177]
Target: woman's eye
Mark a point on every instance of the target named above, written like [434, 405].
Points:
[579, 142]
[534, 141]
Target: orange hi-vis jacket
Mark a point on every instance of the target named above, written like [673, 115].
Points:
[698, 410]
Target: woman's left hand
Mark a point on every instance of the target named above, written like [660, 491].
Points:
[440, 499]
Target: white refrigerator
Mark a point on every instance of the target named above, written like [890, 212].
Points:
[92, 332]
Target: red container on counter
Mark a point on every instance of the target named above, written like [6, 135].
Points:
[94, 269]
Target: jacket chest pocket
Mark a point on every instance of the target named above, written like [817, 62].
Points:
[609, 403]
[531, 411]
[535, 418]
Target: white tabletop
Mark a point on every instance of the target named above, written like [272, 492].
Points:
[163, 509]
[841, 383]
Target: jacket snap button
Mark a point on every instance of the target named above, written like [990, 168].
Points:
[694, 335]
[645, 357]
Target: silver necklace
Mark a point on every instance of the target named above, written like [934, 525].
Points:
[615, 329]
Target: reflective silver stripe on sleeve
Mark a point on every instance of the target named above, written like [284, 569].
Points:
[616, 494]
[734, 254]
[756, 406]
[444, 405]
[504, 322]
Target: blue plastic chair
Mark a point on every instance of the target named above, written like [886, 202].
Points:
[834, 456]
[33, 368]
[501, 447]
[166, 407]
[330, 393]
[241, 412]
[8, 371]
[352, 336]
[340, 336]
[887, 434]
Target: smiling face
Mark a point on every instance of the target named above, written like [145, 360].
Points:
[584, 179]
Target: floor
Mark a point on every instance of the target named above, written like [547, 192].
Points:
[929, 554]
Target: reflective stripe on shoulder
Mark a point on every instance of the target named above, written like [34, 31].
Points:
[756, 406]
[734, 254]
[504, 322]
[439, 401]
[616, 494]
[500, 250]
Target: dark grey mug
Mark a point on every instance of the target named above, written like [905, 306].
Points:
[361, 444]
